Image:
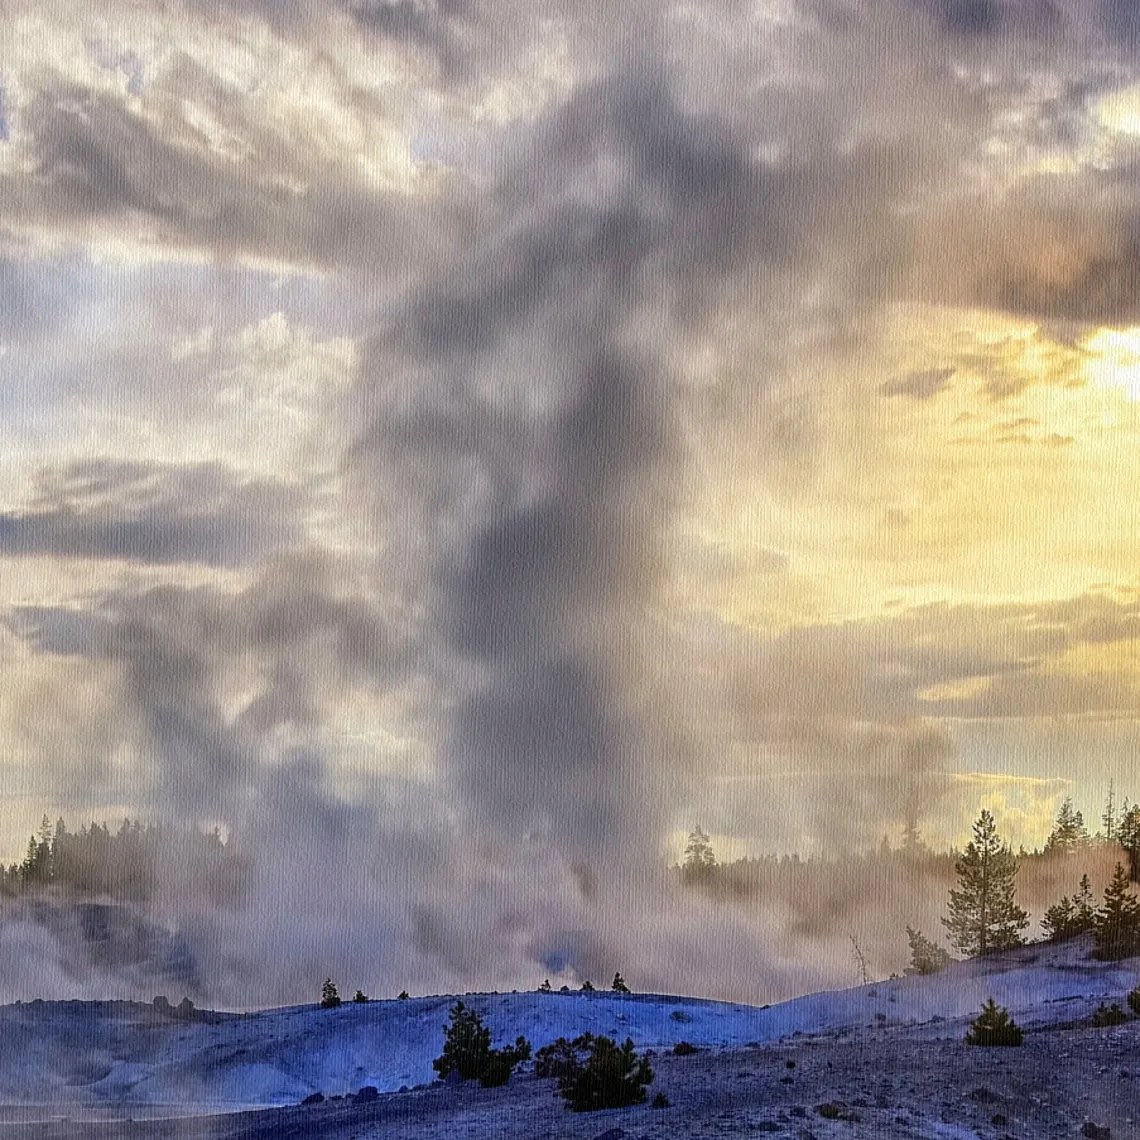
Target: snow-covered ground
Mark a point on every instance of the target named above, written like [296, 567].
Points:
[90, 1060]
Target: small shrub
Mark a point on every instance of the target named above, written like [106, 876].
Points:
[402, 996]
[926, 957]
[660, 1100]
[1107, 1015]
[993, 1026]
[587, 987]
[359, 997]
[466, 1045]
[496, 1072]
[563, 1058]
[563, 989]
[1134, 1001]
[330, 999]
[613, 1077]
[545, 987]
[619, 986]
[829, 1111]
[685, 1049]
[467, 1050]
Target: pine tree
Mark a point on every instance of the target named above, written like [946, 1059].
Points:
[912, 845]
[1117, 931]
[926, 956]
[993, 1026]
[1057, 922]
[613, 1077]
[700, 862]
[983, 916]
[1084, 916]
[1128, 836]
[1071, 916]
[1108, 820]
[1069, 832]
[467, 1044]
[330, 999]
[467, 1050]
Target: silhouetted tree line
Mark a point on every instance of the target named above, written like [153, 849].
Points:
[124, 865]
[774, 874]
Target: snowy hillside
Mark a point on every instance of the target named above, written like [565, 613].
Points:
[87, 1054]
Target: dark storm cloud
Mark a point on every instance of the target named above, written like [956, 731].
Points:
[153, 514]
[96, 159]
[919, 385]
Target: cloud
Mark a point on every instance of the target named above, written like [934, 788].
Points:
[152, 514]
[918, 385]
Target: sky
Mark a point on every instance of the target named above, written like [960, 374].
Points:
[473, 444]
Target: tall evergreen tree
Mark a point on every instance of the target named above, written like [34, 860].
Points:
[1071, 916]
[699, 858]
[1128, 836]
[1117, 931]
[1069, 832]
[1108, 819]
[983, 915]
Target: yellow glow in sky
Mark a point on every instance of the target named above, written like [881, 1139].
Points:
[1115, 359]
[1120, 111]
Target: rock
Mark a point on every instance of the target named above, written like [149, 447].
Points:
[1096, 1131]
[998, 1119]
[314, 1098]
[367, 1094]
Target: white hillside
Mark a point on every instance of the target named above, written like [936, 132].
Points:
[117, 1053]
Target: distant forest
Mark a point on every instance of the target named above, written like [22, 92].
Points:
[1119, 837]
[130, 864]
[138, 861]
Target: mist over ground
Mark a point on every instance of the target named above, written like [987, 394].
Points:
[455, 450]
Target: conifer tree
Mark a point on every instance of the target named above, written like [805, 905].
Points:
[1116, 933]
[994, 1026]
[1071, 916]
[700, 861]
[1084, 915]
[983, 915]
[926, 956]
[1108, 819]
[1069, 832]
[330, 999]
[1128, 836]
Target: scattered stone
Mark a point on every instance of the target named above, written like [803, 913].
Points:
[798, 1110]
[314, 1098]
[998, 1119]
[1096, 1131]
[984, 1095]
[766, 1126]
